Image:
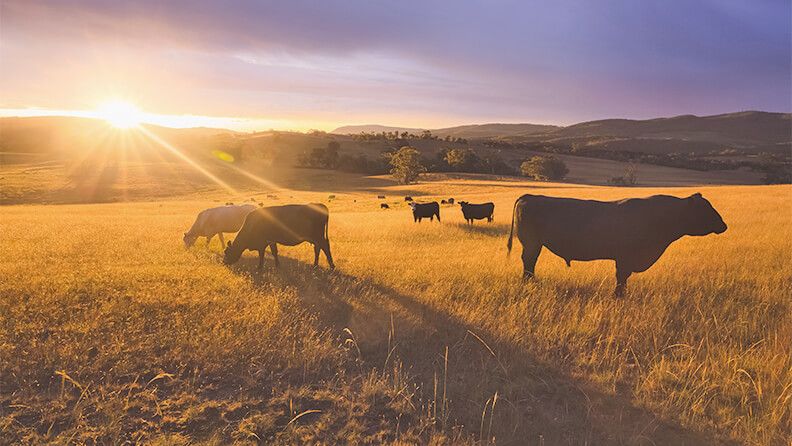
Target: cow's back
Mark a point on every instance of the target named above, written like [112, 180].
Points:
[590, 229]
[287, 225]
[226, 218]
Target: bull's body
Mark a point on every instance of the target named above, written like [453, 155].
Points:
[633, 232]
[216, 221]
[425, 210]
[287, 225]
[477, 211]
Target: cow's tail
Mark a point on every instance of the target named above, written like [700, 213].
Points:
[511, 231]
[327, 225]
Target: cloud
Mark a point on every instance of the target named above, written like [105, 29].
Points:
[477, 60]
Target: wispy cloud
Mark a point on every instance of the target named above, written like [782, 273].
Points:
[417, 63]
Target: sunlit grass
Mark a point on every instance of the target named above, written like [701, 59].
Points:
[158, 341]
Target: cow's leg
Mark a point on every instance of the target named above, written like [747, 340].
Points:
[317, 249]
[261, 259]
[438, 216]
[326, 249]
[622, 274]
[222, 240]
[530, 254]
[209, 239]
[274, 249]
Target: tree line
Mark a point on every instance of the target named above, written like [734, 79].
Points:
[404, 136]
[407, 163]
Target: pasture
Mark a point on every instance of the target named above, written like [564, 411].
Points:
[111, 330]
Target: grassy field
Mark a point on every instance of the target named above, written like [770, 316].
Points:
[110, 330]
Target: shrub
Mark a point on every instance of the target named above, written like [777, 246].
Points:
[544, 168]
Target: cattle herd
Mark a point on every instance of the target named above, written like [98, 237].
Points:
[633, 232]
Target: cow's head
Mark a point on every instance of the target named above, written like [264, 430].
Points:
[701, 217]
[189, 239]
[412, 205]
[231, 254]
[462, 203]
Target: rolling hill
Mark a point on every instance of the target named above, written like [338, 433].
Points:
[753, 131]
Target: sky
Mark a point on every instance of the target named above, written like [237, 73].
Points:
[319, 64]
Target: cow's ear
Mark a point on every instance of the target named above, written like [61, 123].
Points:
[228, 243]
[696, 195]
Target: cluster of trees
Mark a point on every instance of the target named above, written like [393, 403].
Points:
[330, 157]
[321, 157]
[397, 136]
[467, 160]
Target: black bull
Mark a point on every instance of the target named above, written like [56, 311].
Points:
[634, 232]
[425, 210]
[287, 225]
[477, 211]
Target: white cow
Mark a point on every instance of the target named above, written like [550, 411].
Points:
[216, 221]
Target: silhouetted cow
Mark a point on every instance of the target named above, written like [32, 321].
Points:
[450, 201]
[425, 210]
[287, 225]
[634, 232]
[381, 197]
[443, 202]
[408, 198]
[477, 211]
[216, 221]
[384, 206]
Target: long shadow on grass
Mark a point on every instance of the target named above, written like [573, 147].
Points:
[537, 402]
[483, 228]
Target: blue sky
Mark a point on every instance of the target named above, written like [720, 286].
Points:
[429, 63]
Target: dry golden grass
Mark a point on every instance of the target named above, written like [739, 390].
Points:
[110, 330]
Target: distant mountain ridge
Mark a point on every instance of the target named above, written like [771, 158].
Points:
[747, 128]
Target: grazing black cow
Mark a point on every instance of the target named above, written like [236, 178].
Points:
[381, 197]
[634, 232]
[450, 201]
[384, 206]
[408, 198]
[477, 211]
[425, 210]
[443, 202]
[288, 225]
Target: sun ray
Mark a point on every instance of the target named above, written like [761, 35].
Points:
[269, 184]
[187, 159]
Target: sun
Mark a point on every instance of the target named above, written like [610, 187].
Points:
[120, 114]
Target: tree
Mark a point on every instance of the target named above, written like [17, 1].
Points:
[544, 168]
[463, 160]
[331, 155]
[406, 165]
[630, 177]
